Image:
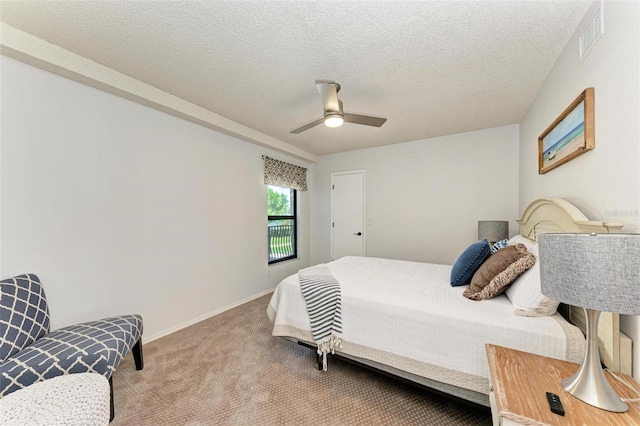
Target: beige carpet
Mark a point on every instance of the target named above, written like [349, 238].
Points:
[229, 370]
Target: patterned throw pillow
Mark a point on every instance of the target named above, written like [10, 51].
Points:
[469, 262]
[499, 245]
[498, 272]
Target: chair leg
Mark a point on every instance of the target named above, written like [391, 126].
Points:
[137, 354]
[137, 358]
[112, 413]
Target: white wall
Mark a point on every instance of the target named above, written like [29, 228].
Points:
[123, 209]
[120, 208]
[605, 182]
[424, 198]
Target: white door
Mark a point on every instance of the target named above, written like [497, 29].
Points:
[347, 214]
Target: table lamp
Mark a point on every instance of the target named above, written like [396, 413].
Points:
[493, 230]
[598, 272]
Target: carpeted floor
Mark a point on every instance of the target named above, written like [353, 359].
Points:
[229, 370]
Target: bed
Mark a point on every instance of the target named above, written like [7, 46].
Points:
[404, 318]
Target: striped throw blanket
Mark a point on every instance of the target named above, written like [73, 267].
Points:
[321, 293]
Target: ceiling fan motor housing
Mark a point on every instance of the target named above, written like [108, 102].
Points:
[333, 113]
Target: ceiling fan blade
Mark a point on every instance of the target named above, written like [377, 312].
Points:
[307, 126]
[367, 120]
[329, 94]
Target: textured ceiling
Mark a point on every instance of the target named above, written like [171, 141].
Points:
[432, 68]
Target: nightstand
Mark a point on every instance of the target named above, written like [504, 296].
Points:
[520, 380]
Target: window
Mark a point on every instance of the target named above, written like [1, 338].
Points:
[283, 182]
[282, 223]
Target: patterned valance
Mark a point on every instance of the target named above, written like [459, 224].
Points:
[279, 173]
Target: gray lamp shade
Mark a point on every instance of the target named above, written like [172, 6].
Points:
[594, 271]
[493, 230]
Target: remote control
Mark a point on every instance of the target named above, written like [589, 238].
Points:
[555, 404]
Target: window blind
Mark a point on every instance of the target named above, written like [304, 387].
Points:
[279, 173]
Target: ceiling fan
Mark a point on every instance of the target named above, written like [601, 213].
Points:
[334, 116]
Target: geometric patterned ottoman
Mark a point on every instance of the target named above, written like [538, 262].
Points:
[74, 399]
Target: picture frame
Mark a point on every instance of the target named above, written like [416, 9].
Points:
[570, 135]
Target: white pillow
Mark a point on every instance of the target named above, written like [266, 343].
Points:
[525, 292]
[520, 239]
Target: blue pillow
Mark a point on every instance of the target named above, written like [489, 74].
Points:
[469, 262]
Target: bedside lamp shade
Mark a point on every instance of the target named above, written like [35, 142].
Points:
[493, 230]
[599, 272]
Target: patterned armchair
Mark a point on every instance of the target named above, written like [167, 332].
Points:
[29, 353]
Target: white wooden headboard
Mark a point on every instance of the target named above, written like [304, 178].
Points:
[557, 215]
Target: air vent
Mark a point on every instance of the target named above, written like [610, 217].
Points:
[591, 32]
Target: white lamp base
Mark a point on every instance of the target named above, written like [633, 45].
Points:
[589, 383]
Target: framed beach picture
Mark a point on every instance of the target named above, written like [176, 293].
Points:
[571, 135]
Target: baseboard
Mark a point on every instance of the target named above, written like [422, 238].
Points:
[203, 317]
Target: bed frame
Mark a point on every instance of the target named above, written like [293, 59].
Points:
[541, 216]
[557, 215]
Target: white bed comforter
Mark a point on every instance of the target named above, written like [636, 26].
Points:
[407, 315]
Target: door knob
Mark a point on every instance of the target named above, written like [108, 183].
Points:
[357, 233]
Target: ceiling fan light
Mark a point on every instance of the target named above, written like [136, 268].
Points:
[333, 120]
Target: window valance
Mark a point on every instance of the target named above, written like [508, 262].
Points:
[279, 173]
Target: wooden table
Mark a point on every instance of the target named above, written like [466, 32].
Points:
[520, 381]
